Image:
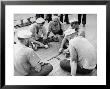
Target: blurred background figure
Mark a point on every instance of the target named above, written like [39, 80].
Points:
[29, 20]
[48, 17]
[39, 15]
[61, 17]
[82, 19]
[66, 19]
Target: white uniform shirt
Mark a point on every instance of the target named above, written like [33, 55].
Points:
[85, 52]
[37, 33]
[24, 59]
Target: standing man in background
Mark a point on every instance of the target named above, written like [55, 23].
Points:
[66, 19]
[82, 18]
[39, 15]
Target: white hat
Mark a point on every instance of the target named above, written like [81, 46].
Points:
[73, 20]
[69, 31]
[40, 20]
[24, 34]
[55, 17]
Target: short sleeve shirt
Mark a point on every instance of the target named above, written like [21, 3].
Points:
[24, 59]
[36, 32]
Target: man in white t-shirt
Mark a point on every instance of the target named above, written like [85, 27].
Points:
[39, 34]
[69, 34]
[83, 59]
[26, 61]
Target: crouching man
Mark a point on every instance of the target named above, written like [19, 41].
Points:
[39, 34]
[26, 61]
[70, 33]
[83, 58]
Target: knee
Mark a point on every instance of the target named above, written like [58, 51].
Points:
[63, 62]
[49, 67]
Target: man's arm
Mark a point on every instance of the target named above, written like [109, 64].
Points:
[62, 26]
[62, 44]
[44, 33]
[34, 60]
[73, 58]
[36, 42]
[32, 28]
[49, 29]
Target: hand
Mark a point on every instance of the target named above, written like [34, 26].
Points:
[42, 63]
[60, 50]
[38, 68]
[41, 45]
[66, 51]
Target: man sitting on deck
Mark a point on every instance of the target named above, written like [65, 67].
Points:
[82, 59]
[56, 27]
[69, 34]
[39, 33]
[26, 61]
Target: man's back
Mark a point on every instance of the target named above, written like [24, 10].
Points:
[22, 59]
[86, 52]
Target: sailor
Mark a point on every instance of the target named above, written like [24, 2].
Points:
[26, 61]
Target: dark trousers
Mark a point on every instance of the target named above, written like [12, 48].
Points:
[44, 41]
[66, 19]
[46, 69]
[61, 18]
[65, 65]
[39, 15]
[48, 17]
[82, 18]
[60, 32]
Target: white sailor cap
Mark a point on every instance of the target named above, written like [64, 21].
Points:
[69, 31]
[40, 20]
[24, 34]
[73, 20]
[55, 17]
